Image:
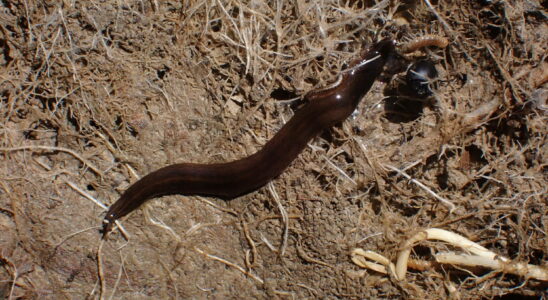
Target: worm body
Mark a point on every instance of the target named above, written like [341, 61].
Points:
[324, 109]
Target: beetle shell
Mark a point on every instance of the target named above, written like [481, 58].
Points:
[419, 75]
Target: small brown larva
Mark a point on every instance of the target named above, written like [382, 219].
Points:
[428, 40]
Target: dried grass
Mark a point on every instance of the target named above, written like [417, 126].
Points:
[100, 93]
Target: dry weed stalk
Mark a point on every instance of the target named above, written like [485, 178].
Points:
[230, 264]
[446, 202]
[53, 148]
[12, 270]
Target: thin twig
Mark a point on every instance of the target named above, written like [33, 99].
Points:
[440, 18]
[8, 262]
[448, 203]
[307, 258]
[117, 278]
[67, 237]
[226, 262]
[343, 173]
[250, 264]
[100, 270]
[223, 209]
[162, 225]
[98, 203]
[285, 218]
[53, 148]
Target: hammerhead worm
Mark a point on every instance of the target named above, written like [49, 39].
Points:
[323, 109]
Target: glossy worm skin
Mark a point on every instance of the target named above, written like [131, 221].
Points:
[324, 109]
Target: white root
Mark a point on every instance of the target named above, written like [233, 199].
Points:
[510, 267]
[478, 256]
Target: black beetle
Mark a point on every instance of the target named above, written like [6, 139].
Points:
[418, 77]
